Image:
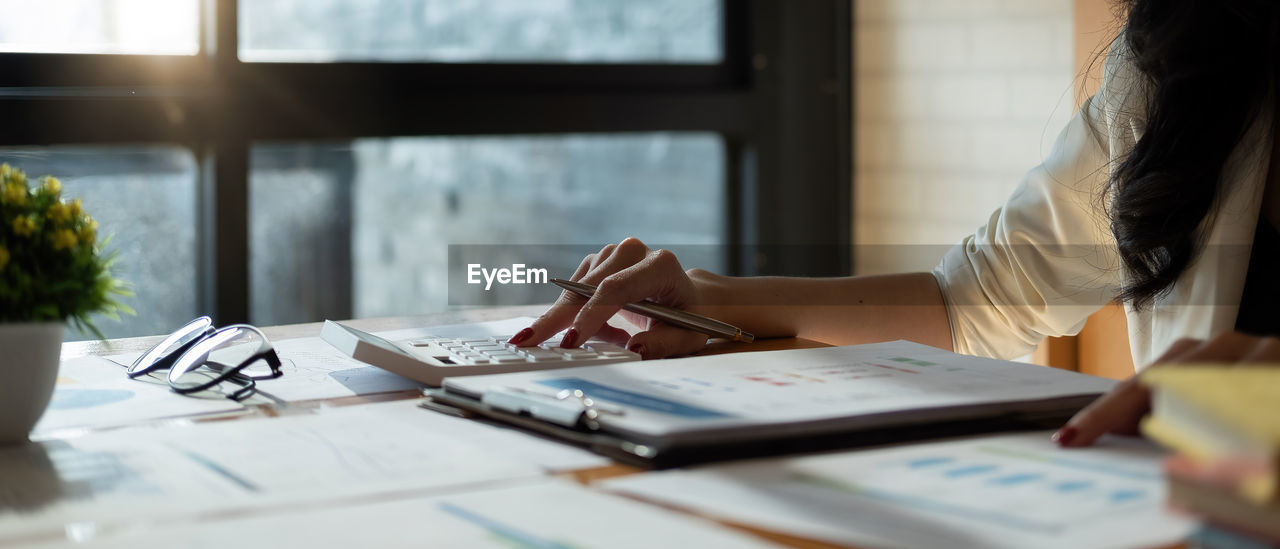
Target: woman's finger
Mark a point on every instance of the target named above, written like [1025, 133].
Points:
[614, 335]
[1228, 347]
[561, 313]
[1265, 350]
[1118, 411]
[594, 260]
[658, 277]
[610, 259]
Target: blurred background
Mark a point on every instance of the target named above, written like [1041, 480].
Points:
[281, 161]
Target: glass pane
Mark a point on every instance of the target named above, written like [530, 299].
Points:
[144, 199]
[522, 31]
[370, 223]
[168, 27]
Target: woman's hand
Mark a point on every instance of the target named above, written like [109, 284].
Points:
[1120, 410]
[623, 273]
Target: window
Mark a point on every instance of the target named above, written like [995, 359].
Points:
[299, 152]
[522, 31]
[377, 216]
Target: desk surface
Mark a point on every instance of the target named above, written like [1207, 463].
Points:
[86, 348]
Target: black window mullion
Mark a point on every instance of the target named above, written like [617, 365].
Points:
[227, 238]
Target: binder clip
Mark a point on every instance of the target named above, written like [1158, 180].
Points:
[569, 407]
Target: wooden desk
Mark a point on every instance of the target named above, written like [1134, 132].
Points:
[277, 333]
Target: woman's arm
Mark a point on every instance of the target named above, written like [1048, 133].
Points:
[839, 311]
[832, 310]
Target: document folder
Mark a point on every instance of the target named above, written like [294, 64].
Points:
[699, 409]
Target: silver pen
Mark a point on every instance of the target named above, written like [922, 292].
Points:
[672, 316]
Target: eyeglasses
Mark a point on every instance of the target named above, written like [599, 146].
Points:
[200, 357]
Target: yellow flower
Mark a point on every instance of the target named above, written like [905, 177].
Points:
[24, 225]
[6, 170]
[14, 194]
[76, 209]
[4, 257]
[59, 213]
[52, 185]
[64, 238]
[89, 232]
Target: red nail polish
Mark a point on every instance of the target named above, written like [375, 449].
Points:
[520, 336]
[1064, 436]
[570, 339]
[637, 349]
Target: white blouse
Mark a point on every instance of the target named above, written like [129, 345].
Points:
[1047, 259]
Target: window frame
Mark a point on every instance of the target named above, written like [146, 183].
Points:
[780, 98]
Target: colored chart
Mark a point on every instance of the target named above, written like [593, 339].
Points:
[1024, 488]
[75, 399]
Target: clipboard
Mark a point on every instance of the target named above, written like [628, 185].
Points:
[573, 421]
[658, 414]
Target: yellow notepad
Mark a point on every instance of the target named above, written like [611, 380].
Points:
[1213, 412]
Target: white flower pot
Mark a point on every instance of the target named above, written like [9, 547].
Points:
[29, 354]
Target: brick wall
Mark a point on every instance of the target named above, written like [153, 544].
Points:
[955, 101]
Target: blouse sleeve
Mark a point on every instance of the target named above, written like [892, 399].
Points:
[1046, 259]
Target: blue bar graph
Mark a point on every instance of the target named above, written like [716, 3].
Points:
[928, 462]
[971, 471]
[1072, 486]
[1013, 480]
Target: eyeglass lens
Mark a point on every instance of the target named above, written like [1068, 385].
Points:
[219, 357]
[165, 352]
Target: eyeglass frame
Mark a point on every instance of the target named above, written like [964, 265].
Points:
[196, 348]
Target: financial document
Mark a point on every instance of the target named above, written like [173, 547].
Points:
[1015, 490]
[95, 392]
[539, 514]
[149, 475]
[852, 384]
[549, 455]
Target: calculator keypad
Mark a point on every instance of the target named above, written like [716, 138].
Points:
[496, 350]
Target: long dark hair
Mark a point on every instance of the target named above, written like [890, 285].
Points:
[1209, 67]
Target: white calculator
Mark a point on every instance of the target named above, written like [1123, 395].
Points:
[431, 359]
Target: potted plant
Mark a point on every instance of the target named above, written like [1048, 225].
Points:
[52, 270]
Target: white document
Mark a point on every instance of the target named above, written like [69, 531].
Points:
[64, 485]
[549, 455]
[538, 514]
[333, 454]
[783, 388]
[95, 392]
[993, 491]
[314, 370]
[151, 475]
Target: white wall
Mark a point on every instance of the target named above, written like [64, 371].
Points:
[955, 100]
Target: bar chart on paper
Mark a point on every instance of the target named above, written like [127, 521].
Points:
[1021, 488]
[991, 491]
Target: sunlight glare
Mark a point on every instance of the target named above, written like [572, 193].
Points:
[158, 27]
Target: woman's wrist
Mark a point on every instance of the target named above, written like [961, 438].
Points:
[744, 302]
